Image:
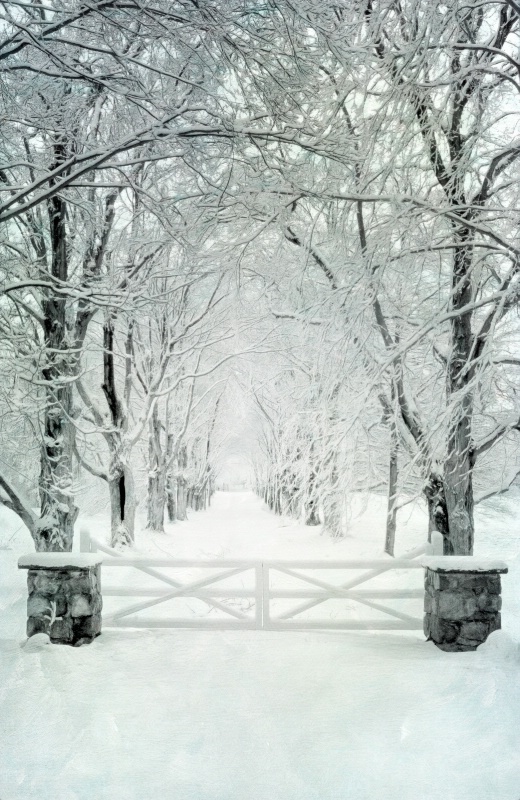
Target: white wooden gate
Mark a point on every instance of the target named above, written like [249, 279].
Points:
[272, 595]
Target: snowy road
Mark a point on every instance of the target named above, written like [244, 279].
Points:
[239, 715]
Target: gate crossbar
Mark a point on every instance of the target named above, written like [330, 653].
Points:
[336, 591]
[380, 569]
[90, 544]
[181, 591]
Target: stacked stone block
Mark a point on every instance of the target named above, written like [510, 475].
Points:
[64, 598]
[462, 602]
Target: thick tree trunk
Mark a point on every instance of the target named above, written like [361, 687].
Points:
[391, 514]
[208, 494]
[58, 513]
[182, 498]
[182, 485]
[55, 529]
[156, 499]
[459, 488]
[458, 468]
[171, 497]
[156, 502]
[268, 496]
[276, 500]
[291, 502]
[437, 510]
[120, 480]
[169, 485]
[122, 507]
[312, 516]
[310, 502]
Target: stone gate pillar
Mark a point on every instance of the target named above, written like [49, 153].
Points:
[462, 600]
[64, 596]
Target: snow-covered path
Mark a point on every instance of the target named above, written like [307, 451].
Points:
[239, 525]
[255, 715]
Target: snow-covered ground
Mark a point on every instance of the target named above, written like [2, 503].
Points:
[262, 715]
